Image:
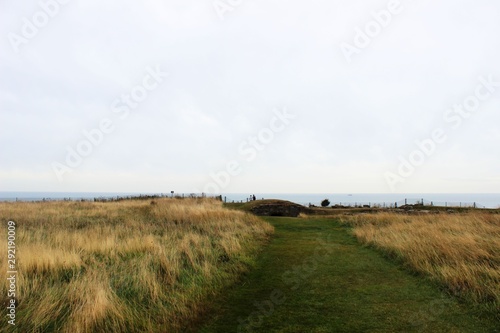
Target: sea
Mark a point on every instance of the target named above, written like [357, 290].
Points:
[480, 200]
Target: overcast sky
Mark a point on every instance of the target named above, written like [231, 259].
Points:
[260, 96]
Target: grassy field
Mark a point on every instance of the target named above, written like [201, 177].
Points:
[314, 276]
[129, 266]
[190, 265]
[458, 251]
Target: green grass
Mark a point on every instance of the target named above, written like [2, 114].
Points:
[315, 277]
[247, 206]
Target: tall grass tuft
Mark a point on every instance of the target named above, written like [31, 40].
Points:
[459, 251]
[124, 266]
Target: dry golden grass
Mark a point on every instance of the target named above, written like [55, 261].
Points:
[460, 251]
[130, 266]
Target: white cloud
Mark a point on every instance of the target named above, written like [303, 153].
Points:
[226, 77]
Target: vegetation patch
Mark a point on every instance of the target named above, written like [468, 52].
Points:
[314, 276]
[459, 251]
[128, 266]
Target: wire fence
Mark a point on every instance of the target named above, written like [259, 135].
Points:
[407, 203]
[113, 198]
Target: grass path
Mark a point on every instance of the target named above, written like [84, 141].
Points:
[315, 277]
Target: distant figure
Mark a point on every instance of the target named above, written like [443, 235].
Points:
[253, 197]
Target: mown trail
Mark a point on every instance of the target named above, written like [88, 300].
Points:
[315, 277]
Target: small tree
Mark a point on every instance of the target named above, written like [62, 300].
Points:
[325, 203]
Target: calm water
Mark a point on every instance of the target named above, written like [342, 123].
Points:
[489, 200]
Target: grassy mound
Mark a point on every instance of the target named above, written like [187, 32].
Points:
[247, 206]
[271, 207]
[125, 266]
